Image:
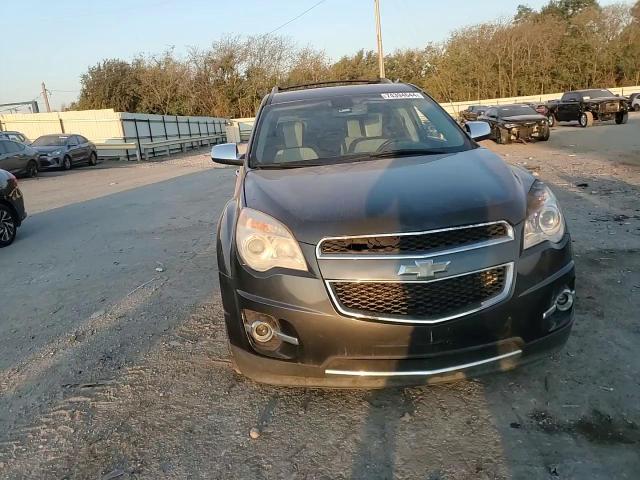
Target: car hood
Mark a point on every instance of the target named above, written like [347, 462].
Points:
[523, 118]
[46, 149]
[389, 195]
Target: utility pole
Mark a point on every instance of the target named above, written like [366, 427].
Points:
[46, 97]
[379, 38]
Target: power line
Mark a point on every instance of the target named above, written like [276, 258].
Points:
[295, 18]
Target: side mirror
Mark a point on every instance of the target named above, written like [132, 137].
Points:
[478, 130]
[226, 154]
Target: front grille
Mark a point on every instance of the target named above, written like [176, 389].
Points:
[415, 243]
[436, 299]
[610, 107]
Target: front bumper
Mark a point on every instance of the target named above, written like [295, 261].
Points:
[527, 132]
[47, 162]
[336, 350]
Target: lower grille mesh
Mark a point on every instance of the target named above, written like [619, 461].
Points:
[421, 300]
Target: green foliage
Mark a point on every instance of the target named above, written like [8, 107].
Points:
[567, 44]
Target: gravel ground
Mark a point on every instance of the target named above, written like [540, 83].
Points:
[113, 361]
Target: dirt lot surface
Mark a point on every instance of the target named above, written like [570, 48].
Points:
[113, 361]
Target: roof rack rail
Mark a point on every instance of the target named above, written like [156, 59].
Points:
[277, 89]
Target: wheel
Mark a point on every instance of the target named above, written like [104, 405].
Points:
[622, 117]
[7, 226]
[636, 107]
[93, 159]
[546, 133]
[502, 136]
[586, 119]
[551, 119]
[66, 163]
[32, 169]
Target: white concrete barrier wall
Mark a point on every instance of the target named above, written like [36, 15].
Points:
[109, 126]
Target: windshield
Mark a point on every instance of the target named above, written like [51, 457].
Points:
[588, 94]
[353, 128]
[513, 110]
[50, 141]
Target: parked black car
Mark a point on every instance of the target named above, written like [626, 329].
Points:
[15, 136]
[64, 151]
[472, 112]
[585, 106]
[18, 158]
[371, 241]
[516, 122]
[12, 211]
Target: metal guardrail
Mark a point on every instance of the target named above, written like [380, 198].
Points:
[126, 146]
[142, 149]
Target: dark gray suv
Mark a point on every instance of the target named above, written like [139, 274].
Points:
[371, 241]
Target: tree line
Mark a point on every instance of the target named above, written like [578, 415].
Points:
[567, 44]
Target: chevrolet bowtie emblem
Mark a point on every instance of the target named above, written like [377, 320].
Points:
[423, 268]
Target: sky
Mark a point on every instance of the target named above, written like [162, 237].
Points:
[55, 41]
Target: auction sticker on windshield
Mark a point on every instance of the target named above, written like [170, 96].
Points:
[400, 95]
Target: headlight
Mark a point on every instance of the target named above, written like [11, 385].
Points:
[544, 218]
[55, 152]
[265, 243]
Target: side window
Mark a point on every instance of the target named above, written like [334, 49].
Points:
[11, 147]
[14, 137]
[72, 141]
[566, 97]
[81, 139]
[492, 112]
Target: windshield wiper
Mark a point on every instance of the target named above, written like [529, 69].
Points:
[360, 157]
[408, 152]
[296, 164]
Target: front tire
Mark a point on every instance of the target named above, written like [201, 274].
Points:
[66, 163]
[636, 107]
[93, 159]
[546, 133]
[551, 118]
[586, 119]
[32, 169]
[8, 226]
[502, 136]
[622, 118]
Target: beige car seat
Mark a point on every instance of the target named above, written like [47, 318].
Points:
[293, 135]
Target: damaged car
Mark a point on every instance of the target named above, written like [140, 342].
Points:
[371, 241]
[472, 112]
[510, 123]
[587, 106]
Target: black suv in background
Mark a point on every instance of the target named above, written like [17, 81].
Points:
[371, 241]
[64, 151]
[585, 106]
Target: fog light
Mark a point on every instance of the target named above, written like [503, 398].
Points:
[564, 301]
[261, 331]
